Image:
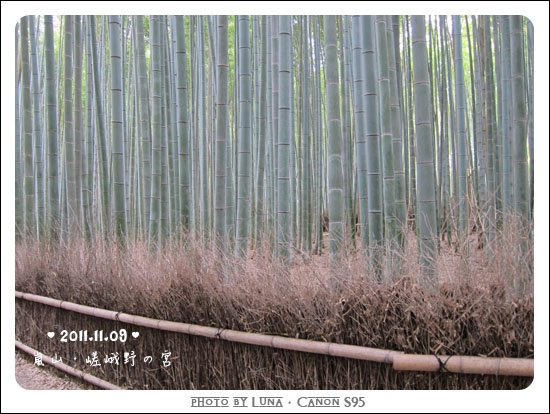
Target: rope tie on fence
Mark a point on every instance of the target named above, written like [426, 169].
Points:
[219, 333]
[117, 315]
[442, 365]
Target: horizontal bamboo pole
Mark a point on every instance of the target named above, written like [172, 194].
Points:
[90, 379]
[520, 367]
[292, 344]
[400, 361]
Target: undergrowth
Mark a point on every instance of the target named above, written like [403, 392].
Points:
[481, 305]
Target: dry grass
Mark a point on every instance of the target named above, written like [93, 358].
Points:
[481, 306]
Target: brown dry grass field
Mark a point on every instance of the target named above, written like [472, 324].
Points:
[480, 306]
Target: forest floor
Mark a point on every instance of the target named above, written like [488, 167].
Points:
[31, 377]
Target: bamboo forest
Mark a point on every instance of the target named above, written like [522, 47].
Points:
[281, 202]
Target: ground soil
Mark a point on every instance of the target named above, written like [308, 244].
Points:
[32, 377]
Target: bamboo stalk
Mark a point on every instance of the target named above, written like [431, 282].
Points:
[521, 367]
[222, 114]
[400, 361]
[336, 190]
[90, 379]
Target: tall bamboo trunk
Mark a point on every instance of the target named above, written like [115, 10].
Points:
[359, 118]
[221, 132]
[117, 128]
[506, 87]
[334, 144]
[78, 121]
[52, 222]
[490, 213]
[261, 198]
[284, 137]
[29, 228]
[397, 139]
[68, 129]
[462, 144]
[144, 122]
[156, 129]
[37, 134]
[531, 113]
[19, 202]
[519, 122]
[427, 215]
[244, 139]
[184, 151]
[372, 137]
[105, 213]
[390, 227]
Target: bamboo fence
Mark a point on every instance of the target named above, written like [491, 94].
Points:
[523, 367]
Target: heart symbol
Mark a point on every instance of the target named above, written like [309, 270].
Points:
[126, 354]
[51, 334]
[135, 334]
